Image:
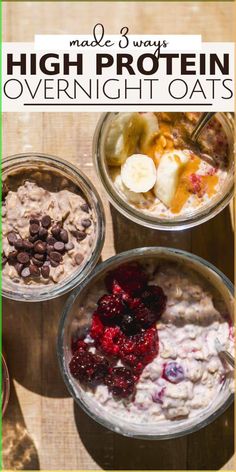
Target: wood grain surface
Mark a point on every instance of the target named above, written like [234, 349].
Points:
[43, 427]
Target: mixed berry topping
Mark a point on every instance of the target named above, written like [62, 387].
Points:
[111, 341]
[88, 367]
[120, 382]
[129, 277]
[123, 330]
[44, 247]
[110, 308]
[173, 372]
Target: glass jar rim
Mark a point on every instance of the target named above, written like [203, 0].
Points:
[177, 224]
[5, 385]
[48, 292]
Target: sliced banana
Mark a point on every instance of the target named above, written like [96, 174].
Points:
[149, 132]
[168, 173]
[138, 173]
[122, 137]
[132, 197]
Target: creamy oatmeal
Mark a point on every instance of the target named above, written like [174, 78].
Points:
[46, 235]
[150, 354]
[156, 169]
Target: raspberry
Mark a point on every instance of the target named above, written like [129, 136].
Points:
[196, 185]
[129, 325]
[110, 307]
[140, 349]
[155, 299]
[78, 345]
[120, 382]
[144, 315]
[130, 277]
[88, 368]
[97, 328]
[110, 342]
[117, 290]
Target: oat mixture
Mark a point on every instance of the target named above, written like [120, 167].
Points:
[157, 359]
[46, 235]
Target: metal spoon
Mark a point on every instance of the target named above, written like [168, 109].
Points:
[224, 354]
[202, 122]
[193, 138]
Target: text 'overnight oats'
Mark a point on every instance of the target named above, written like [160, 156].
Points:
[155, 167]
[46, 235]
[149, 352]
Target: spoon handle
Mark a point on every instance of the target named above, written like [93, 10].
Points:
[228, 357]
[205, 118]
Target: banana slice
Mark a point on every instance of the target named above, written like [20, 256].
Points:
[168, 173]
[132, 197]
[149, 132]
[138, 173]
[122, 137]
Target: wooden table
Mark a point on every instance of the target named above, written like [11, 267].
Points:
[43, 428]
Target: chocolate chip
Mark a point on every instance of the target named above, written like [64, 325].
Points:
[37, 262]
[34, 270]
[23, 257]
[19, 244]
[40, 247]
[47, 263]
[43, 233]
[85, 207]
[46, 221]
[81, 236]
[55, 256]
[54, 263]
[75, 233]
[39, 257]
[86, 222]
[34, 221]
[19, 267]
[27, 245]
[45, 271]
[34, 229]
[34, 238]
[56, 231]
[51, 240]
[12, 257]
[69, 246]
[64, 235]
[12, 238]
[25, 272]
[50, 248]
[59, 246]
[79, 258]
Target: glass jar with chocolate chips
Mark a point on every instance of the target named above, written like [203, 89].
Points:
[52, 227]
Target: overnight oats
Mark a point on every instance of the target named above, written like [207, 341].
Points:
[49, 229]
[143, 344]
[154, 172]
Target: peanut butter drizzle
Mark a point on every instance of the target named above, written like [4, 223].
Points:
[164, 143]
[208, 184]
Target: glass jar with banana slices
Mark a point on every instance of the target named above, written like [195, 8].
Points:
[156, 176]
